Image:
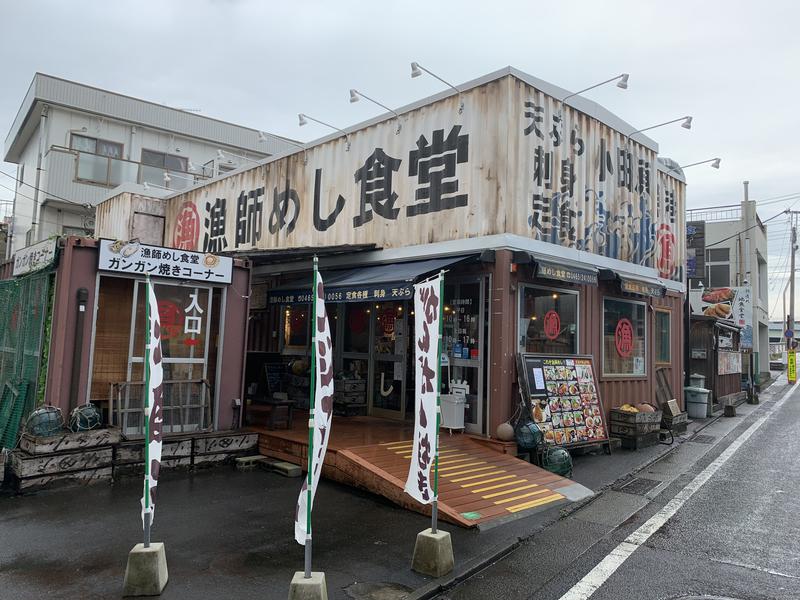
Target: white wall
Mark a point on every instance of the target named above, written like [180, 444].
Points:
[61, 123]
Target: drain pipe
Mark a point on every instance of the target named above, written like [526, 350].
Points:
[35, 213]
[77, 352]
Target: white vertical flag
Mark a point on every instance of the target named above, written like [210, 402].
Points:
[153, 404]
[322, 413]
[427, 308]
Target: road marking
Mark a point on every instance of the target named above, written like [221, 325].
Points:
[595, 578]
[521, 496]
[531, 504]
[472, 471]
[492, 480]
[504, 492]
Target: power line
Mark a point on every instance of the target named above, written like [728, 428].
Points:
[56, 196]
[749, 228]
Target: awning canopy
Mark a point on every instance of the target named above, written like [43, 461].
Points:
[366, 284]
[642, 286]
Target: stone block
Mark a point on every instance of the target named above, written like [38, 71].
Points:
[433, 553]
[146, 573]
[313, 588]
[287, 469]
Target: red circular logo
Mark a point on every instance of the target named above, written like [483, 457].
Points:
[552, 325]
[665, 251]
[187, 227]
[623, 338]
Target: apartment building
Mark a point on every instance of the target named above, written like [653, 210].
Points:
[73, 144]
[727, 248]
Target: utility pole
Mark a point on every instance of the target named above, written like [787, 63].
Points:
[790, 317]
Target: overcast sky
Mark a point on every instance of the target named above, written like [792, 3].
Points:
[732, 65]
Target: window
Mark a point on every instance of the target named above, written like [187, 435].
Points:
[548, 321]
[151, 158]
[718, 275]
[718, 254]
[83, 143]
[296, 322]
[624, 338]
[663, 318]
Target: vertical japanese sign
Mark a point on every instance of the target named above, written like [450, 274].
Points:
[421, 483]
[154, 375]
[321, 411]
[791, 370]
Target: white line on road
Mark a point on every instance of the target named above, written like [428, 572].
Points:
[595, 578]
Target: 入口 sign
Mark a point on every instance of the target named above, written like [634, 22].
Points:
[139, 259]
[35, 257]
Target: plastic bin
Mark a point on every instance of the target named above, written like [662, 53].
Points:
[453, 407]
[696, 402]
[697, 380]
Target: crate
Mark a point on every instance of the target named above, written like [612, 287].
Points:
[669, 422]
[622, 416]
[639, 441]
[633, 429]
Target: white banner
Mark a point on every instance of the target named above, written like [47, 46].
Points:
[153, 409]
[323, 411]
[427, 307]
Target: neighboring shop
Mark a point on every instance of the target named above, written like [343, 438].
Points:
[90, 342]
[559, 233]
[715, 347]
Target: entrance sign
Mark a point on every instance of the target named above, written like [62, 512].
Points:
[35, 257]
[153, 412]
[791, 370]
[423, 474]
[321, 410]
[569, 274]
[563, 398]
[139, 259]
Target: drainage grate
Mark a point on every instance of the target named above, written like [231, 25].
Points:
[704, 439]
[639, 486]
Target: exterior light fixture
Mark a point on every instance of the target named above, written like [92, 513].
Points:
[686, 124]
[303, 119]
[416, 71]
[714, 164]
[622, 83]
[355, 96]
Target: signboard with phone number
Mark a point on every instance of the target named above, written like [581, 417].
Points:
[564, 399]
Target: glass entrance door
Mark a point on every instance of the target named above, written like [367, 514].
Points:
[388, 368]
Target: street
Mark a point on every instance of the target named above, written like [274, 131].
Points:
[733, 533]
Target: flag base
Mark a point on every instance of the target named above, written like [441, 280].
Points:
[433, 553]
[313, 588]
[146, 573]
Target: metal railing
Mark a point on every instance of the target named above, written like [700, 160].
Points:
[111, 172]
[186, 406]
[731, 212]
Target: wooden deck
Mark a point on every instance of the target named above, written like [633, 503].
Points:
[476, 484]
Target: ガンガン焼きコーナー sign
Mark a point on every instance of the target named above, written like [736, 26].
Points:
[515, 160]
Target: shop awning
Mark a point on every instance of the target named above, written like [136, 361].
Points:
[565, 270]
[642, 286]
[367, 284]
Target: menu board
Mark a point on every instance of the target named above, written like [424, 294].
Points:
[563, 398]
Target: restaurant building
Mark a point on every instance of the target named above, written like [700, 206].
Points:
[559, 232]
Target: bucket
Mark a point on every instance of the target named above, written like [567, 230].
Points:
[696, 402]
[697, 380]
[453, 407]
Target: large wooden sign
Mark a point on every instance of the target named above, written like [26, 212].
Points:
[514, 160]
[563, 398]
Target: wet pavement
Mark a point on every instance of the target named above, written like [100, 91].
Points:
[737, 536]
[229, 534]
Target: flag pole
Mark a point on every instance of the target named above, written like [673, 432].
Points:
[312, 394]
[147, 413]
[435, 504]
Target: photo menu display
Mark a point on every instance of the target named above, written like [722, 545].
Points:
[564, 399]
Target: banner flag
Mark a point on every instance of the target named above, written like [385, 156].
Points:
[321, 411]
[153, 413]
[427, 308]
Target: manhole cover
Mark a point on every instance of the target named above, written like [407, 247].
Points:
[639, 486]
[703, 439]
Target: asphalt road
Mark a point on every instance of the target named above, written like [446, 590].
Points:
[736, 536]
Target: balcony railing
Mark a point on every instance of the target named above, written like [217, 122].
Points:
[717, 214]
[111, 172]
